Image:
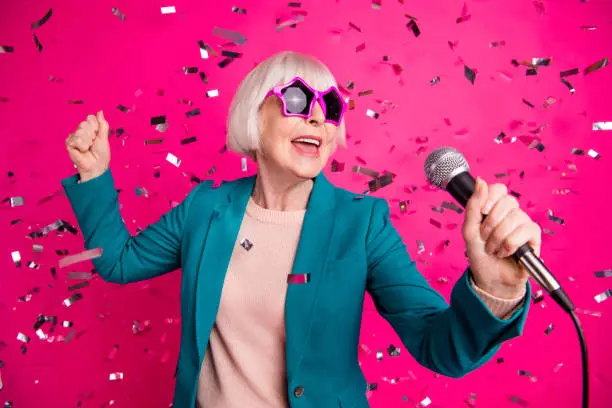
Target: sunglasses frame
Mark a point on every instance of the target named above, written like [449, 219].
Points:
[318, 96]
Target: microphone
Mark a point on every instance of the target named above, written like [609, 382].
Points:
[447, 168]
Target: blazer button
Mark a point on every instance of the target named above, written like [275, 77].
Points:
[298, 392]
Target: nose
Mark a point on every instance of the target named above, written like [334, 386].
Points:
[317, 117]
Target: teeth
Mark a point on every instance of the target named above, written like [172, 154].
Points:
[307, 140]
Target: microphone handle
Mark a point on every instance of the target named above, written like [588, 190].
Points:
[461, 186]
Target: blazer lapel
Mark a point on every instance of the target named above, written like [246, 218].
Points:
[310, 258]
[225, 222]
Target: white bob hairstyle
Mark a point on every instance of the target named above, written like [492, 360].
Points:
[243, 122]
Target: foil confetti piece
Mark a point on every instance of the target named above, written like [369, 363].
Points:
[190, 70]
[238, 10]
[153, 141]
[115, 376]
[188, 140]
[80, 257]
[569, 85]
[336, 166]
[554, 218]
[39, 46]
[225, 62]
[573, 71]
[229, 35]
[158, 120]
[425, 402]
[365, 171]
[168, 10]
[465, 16]
[72, 299]
[595, 66]
[246, 244]
[603, 296]
[16, 256]
[370, 113]
[192, 113]
[78, 286]
[289, 22]
[380, 182]
[118, 13]
[138, 328]
[602, 126]
[298, 278]
[379, 355]
[469, 74]
[412, 25]
[42, 20]
[123, 109]
[212, 93]
[421, 246]
[517, 400]
[606, 273]
[393, 351]
[173, 159]
[360, 47]
[37, 248]
[23, 338]
[549, 329]
[243, 164]
[495, 44]
[6, 49]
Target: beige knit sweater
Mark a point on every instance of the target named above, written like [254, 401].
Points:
[244, 364]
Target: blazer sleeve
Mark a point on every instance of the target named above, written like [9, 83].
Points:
[154, 251]
[450, 340]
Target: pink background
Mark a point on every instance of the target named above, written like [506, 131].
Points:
[105, 62]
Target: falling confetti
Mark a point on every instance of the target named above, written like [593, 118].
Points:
[595, 66]
[42, 20]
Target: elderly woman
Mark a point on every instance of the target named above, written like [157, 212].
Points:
[275, 266]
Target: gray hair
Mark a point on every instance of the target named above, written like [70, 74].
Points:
[243, 122]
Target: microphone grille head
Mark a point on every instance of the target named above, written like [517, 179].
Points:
[443, 164]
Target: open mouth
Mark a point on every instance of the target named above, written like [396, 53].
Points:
[307, 146]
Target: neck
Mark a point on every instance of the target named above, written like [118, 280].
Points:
[281, 192]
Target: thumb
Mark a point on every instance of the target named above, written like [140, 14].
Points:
[103, 129]
[473, 208]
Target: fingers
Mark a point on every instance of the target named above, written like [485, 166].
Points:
[514, 230]
[103, 129]
[501, 208]
[92, 121]
[496, 192]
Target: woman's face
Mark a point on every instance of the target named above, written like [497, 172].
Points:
[279, 148]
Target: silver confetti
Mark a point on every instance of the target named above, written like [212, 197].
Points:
[243, 163]
[23, 338]
[115, 376]
[16, 201]
[379, 355]
[549, 329]
[603, 296]
[168, 10]
[606, 273]
[370, 113]
[229, 35]
[238, 10]
[16, 258]
[72, 299]
[602, 126]
[37, 248]
[173, 159]
[212, 93]
[118, 13]
[79, 275]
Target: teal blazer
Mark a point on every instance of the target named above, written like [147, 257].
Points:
[347, 246]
